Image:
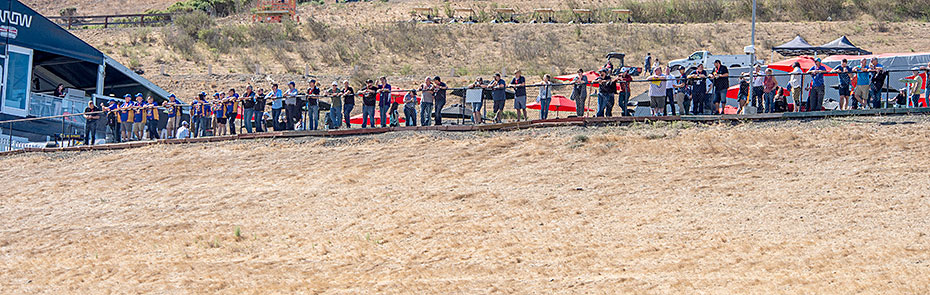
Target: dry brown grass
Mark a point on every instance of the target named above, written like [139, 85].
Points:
[833, 206]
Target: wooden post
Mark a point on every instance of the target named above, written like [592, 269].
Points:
[70, 20]
[306, 71]
[210, 70]
[162, 69]
[258, 69]
[106, 21]
[142, 20]
[452, 72]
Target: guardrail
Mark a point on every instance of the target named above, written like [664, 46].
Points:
[70, 22]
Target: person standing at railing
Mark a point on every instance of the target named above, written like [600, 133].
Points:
[656, 92]
[348, 102]
[151, 117]
[607, 86]
[125, 118]
[138, 118]
[426, 102]
[313, 106]
[721, 77]
[623, 94]
[796, 86]
[669, 92]
[277, 104]
[878, 82]
[863, 83]
[207, 116]
[580, 91]
[196, 112]
[219, 114]
[292, 110]
[498, 95]
[769, 88]
[545, 97]
[335, 109]
[384, 102]
[410, 108]
[113, 119]
[741, 96]
[368, 104]
[172, 109]
[682, 91]
[439, 96]
[698, 80]
[248, 108]
[476, 117]
[518, 83]
[758, 91]
[914, 87]
[817, 86]
[231, 103]
[842, 73]
[258, 111]
[90, 122]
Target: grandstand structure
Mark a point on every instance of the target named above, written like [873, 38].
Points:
[275, 11]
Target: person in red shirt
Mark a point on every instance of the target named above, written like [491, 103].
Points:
[623, 97]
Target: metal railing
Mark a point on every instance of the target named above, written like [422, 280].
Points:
[70, 22]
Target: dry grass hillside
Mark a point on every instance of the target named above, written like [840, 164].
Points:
[828, 206]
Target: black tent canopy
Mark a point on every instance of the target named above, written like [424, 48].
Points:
[795, 47]
[842, 45]
[799, 46]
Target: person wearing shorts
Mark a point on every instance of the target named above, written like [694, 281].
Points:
[720, 76]
[863, 80]
[657, 97]
[519, 94]
[138, 126]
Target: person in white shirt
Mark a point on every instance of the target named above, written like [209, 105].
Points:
[795, 83]
[669, 93]
[657, 92]
[545, 97]
[183, 132]
[758, 81]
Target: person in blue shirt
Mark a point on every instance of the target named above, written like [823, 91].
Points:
[197, 114]
[206, 115]
[172, 109]
[843, 72]
[219, 114]
[138, 126]
[384, 99]
[150, 109]
[815, 102]
[277, 104]
[113, 119]
[863, 83]
[231, 105]
[878, 80]
[125, 120]
[498, 95]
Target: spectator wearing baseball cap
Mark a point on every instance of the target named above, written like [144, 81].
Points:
[292, 111]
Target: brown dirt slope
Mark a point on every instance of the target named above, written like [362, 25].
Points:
[830, 206]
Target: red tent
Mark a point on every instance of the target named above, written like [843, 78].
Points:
[357, 119]
[559, 104]
[806, 62]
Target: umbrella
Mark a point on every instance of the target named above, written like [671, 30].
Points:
[806, 62]
[559, 104]
[357, 119]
